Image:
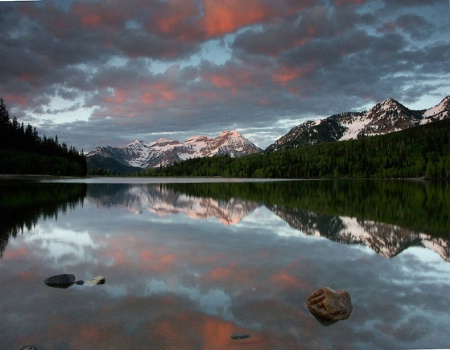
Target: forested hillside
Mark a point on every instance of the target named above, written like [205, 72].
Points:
[422, 151]
[23, 151]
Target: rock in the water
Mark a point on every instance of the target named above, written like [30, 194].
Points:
[96, 281]
[330, 306]
[239, 336]
[60, 281]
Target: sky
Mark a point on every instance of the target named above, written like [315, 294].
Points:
[108, 72]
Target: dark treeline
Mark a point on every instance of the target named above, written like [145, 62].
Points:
[422, 151]
[23, 151]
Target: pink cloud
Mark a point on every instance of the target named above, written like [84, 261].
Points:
[90, 20]
[284, 75]
[232, 78]
[147, 256]
[183, 20]
[119, 97]
[222, 17]
[92, 15]
[165, 91]
[222, 81]
[16, 99]
[176, 18]
[157, 93]
[147, 98]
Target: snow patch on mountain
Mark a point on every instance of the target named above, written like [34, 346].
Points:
[383, 118]
[440, 111]
[353, 128]
[164, 151]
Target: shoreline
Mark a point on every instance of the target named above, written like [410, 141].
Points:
[34, 177]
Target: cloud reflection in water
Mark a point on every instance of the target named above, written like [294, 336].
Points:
[176, 282]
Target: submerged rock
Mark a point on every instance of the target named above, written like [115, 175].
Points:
[239, 336]
[60, 281]
[330, 306]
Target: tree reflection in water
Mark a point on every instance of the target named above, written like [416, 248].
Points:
[190, 265]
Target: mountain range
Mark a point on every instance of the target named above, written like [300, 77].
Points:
[139, 155]
[383, 118]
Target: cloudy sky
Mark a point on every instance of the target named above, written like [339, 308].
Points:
[109, 71]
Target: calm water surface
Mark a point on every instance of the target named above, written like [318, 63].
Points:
[188, 263]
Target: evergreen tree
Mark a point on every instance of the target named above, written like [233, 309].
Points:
[22, 151]
[4, 115]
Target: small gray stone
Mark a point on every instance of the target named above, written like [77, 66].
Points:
[96, 281]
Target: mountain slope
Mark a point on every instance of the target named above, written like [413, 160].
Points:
[164, 152]
[99, 165]
[383, 118]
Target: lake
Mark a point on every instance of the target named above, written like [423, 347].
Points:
[190, 262]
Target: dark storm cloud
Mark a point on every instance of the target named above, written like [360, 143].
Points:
[396, 4]
[148, 66]
[417, 27]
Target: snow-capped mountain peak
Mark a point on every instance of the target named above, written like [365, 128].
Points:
[230, 133]
[165, 151]
[388, 104]
[383, 118]
[135, 143]
[440, 111]
[162, 140]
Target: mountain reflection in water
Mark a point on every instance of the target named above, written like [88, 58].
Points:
[225, 265]
[385, 239]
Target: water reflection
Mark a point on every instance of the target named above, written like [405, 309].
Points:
[244, 266]
[22, 204]
[385, 239]
[305, 206]
[163, 201]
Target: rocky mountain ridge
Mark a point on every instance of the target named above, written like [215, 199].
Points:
[164, 152]
[383, 118]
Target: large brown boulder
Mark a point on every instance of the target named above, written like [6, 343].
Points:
[330, 306]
